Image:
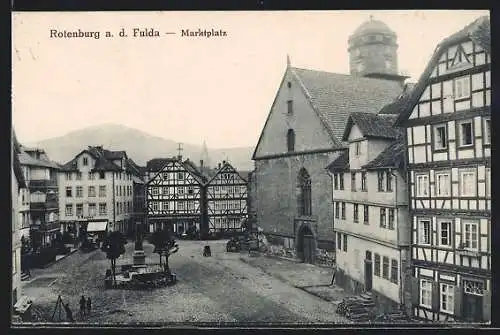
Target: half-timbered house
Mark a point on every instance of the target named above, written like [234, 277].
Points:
[370, 206]
[226, 199]
[174, 194]
[448, 137]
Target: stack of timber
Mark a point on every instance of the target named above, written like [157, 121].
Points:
[358, 308]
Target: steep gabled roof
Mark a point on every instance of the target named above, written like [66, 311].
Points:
[226, 167]
[157, 164]
[334, 96]
[43, 161]
[479, 31]
[341, 163]
[372, 125]
[392, 157]
[104, 159]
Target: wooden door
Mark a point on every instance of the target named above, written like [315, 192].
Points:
[368, 274]
[308, 248]
[472, 307]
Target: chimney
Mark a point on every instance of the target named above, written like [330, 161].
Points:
[223, 162]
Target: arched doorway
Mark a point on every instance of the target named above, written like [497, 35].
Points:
[306, 244]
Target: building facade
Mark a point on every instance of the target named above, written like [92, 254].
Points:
[370, 204]
[448, 134]
[96, 186]
[17, 184]
[303, 134]
[226, 200]
[40, 196]
[174, 195]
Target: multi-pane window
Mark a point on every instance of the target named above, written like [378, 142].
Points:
[180, 176]
[69, 210]
[394, 271]
[391, 218]
[79, 191]
[339, 241]
[385, 267]
[79, 209]
[102, 191]
[424, 232]
[462, 87]
[465, 133]
[380, 178]
[341, 181]
[422, 185]
[487, 131]
[365, 214]
[91, 191]
[102, 208]
[376, 268]
[488, 182]
[155, 206]
[343, 211]
[425, 293]
[304, 198]
[445, 233]
[389, 182]
[440, 137]
[356, 213]
[443, 184]
[353, 181]
[164, 190]
[471, 235]
[335, 181]
[85, 161]
[69, 191]
[165, 175]
[363, 181]
[68, 175]
[383, 223]
[92, 209]
[155, 190]
[91, 176]
[102, 175]
[345, 242]
[357, 148]
[337, 210]
[447, 303]
[468, 183]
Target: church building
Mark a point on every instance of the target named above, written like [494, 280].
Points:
[303, 134]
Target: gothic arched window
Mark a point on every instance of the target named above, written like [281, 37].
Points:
[304, 202]
[290, 140]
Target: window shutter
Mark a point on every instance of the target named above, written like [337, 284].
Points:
[487, 306]
[435, 296]
[415, 291]
[458, 301]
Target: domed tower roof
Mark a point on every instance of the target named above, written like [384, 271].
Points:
[372, 26]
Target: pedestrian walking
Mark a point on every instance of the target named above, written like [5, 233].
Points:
[89, 305]
[82, 306]
[69, 313]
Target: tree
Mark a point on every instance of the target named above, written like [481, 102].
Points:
[114, 247]
[164, 246]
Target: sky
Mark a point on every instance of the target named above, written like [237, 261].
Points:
[217, 90]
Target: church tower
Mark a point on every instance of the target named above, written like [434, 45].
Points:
[373, 51]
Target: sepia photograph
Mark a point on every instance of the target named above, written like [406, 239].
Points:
[251, 168]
